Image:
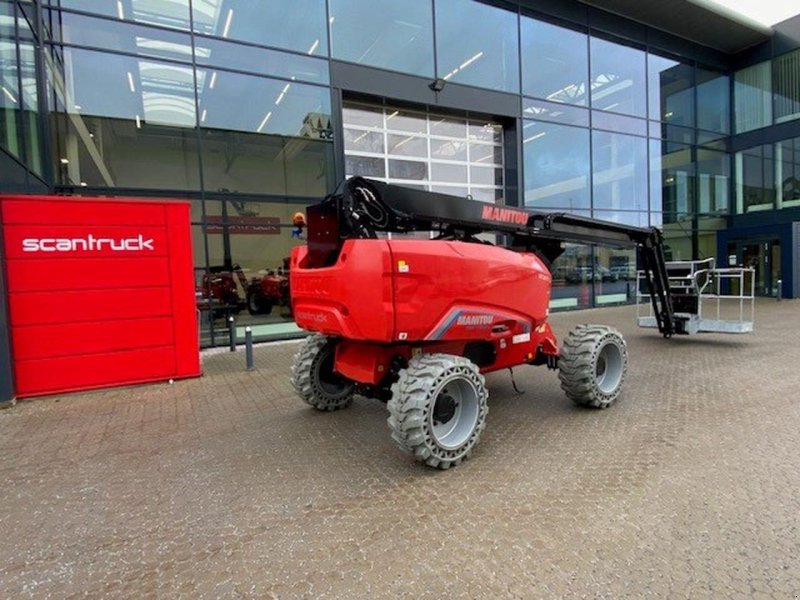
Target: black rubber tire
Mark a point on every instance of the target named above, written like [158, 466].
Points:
[258, 305]
[313, 377]
[414, 397]
[589, 355]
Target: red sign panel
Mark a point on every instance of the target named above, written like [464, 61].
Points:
[101, 292]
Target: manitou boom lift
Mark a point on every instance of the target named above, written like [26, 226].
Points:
[418, 322]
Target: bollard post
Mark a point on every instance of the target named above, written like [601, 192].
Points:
[248, 347]
[780, 289]
[232, 333]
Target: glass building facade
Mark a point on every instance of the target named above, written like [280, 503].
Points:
[253, 109]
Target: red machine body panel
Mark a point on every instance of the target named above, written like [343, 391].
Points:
[440, 295]
[101, 292]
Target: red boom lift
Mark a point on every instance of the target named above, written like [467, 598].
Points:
[418, 322]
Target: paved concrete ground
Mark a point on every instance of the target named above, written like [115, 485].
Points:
[227, 486]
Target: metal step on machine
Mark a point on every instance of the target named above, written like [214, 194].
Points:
[703, 297]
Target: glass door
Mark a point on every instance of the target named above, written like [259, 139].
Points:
[765, 258]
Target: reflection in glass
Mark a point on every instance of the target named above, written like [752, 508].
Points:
[131, 128]
[672, 174]
[713, 100]
[365, 166]
[477, 44]
[219, 53]
[556, 160]
[573, 277]
[713, 181]
[384, 33]
[618, 80]
[620, 123]
[10, 101]
[671, 93]
[619, 171]
[363, 141]
[787, 163]
[273, 106]
[298, 25]
[755, 179]
[407, 145]
[558, 113]
[752, 97]
[555, 62]
[166, 13]
[786, 85]
[120, 36]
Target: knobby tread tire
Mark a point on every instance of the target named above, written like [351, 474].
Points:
[303, 376]
[413, 398]
[578, 361]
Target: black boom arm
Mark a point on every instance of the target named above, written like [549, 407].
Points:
[362, 208]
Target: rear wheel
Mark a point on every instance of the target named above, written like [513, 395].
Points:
[438, 409]
[315, 380]
[257, 304]
[593, 365]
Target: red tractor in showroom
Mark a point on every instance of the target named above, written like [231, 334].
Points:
[419, 322]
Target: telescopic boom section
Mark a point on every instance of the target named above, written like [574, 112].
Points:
[361, 208]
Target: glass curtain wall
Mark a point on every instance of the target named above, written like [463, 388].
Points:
[227, 103]
[19, 100]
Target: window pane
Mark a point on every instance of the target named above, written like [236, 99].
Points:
[713, 101]
[384, 33]
[167, 13]
[218, 53]
[618, 78]
[572, 277]
[477, 45]
[713, 180]
[10, 101]
[558, 113]
[445, 172]
[752, 94]
[293, 24]
[755, 181]
[788, 163]
[30, 102]
[619, 171]
[407, 145]
[604, 120]
[555, 62]
[449, 149]
[786, 81]
[406, 121]
[133, 127]
[672, 173]
[120, 36]
[358, 140]
[448, 127]
[556, 160]
[407, 169]
[365, 166]
[671, 92]
[275, 106]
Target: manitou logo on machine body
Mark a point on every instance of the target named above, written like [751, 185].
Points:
[89, 243]
[505, 215]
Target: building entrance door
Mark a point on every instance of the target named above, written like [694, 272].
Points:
[765, 257]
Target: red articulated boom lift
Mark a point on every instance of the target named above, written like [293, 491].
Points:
[417, 322]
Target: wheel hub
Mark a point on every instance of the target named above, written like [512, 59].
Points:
[445, 408]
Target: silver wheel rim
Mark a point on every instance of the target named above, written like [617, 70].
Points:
[609, 368]
[451, 431]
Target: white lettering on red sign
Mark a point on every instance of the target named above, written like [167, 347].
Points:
[88, 244]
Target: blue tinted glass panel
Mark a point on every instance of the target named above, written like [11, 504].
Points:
[555, 62]
[713, 181]
[619, 171]
[636, 218]
[218, 53]
[614, 122]
[477, 44]
[713, 101]
[552, 111]
[273, 106]
[671, 91]
[618, 79]
[384, 33]
[752, 96]
[671, 175]
[124, 37]
[10, 101]
[166, 13]
[556, 160]
[292, 24]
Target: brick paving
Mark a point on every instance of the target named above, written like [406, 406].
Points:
[229, 487]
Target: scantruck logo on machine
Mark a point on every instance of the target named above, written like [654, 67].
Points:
[89, 243]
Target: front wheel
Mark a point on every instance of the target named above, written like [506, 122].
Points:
[438, 409]
[593, 365]
[314, 379]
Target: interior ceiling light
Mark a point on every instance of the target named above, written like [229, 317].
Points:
[213, 81]
[313, 46]
[120, 12]
[10, 95]
[130, 82]
[227, 23]
[264, 122]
